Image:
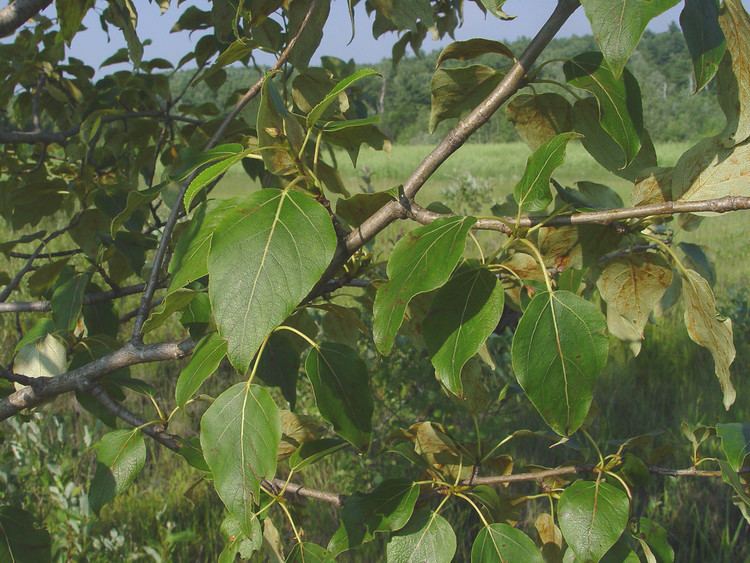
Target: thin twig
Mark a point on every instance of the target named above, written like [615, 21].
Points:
[88, 299]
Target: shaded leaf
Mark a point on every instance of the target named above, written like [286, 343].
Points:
[559, 348]
[253, 288]
[705, 40]
[67, 301]
[655, 538]
[387, 508]
[21, 541]
[420, 262]
[279, 366]
[456, 91]
[538, 118]
[317, 112]
[342, 391]
[464, 313]
[307, 552]
[356, 209]
[173, 302]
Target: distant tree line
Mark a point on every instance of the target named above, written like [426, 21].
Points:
[661, 63]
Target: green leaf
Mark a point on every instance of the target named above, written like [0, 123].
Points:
[538, 118]
[317, 112]
[735, 441]
[219, 152]
[706, 328]
[387, 508]
[604, 149]
[307, 552]
[495, 7]
[21, 541]
[190, 259]
[421, 261]
[456, 91]
[705, 39]
[342, 391]
[590, 196]
[67, 301]
[559, 348]
[532, 192]
[500, 543]
[619, 100]
[473, 48]
[351, 135]
[734, 73]
[44, 356]
[633, 286]
[619, 24]
[120, 456]
[239, 543]
[204, 362]
[427, 537]
[210, 174]
[656, 540]
[124, 15]
[137, 199]
[70, 15]
[592, 517]
[240, 434]
[266, 256]
[172, 303]
[464, 313]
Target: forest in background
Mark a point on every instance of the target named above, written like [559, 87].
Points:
[661, 64]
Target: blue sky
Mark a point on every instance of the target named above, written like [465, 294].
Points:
[93, 45]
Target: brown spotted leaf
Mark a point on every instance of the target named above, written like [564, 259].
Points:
[539, 118]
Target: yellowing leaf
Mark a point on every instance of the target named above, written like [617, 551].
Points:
[44, 358]
[707, 329]
[632, 286]
[734, 72]
[539, 118]
[708, 171]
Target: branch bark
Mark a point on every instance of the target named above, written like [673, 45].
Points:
[82, 378]
[88, 299]
[17, 13]
[603, 217]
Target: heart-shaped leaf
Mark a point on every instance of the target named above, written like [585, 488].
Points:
[240, 435]
[266, 255]
[559, 348]
[592, 516]
[427, 537]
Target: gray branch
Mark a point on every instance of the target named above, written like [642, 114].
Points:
[17, 13]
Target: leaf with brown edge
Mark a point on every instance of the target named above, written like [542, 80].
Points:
[539, 118]
[473, 48]
[709, 170]
[706, 328]
[734, 73]
[632, 286]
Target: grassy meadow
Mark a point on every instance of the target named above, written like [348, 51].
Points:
[170, 514]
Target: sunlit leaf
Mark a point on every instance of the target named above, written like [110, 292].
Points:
[427, 537]
[120, 456]
[501, 543]
[204, 362]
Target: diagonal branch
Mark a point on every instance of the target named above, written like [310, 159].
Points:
[174, 216]
[17, 13]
